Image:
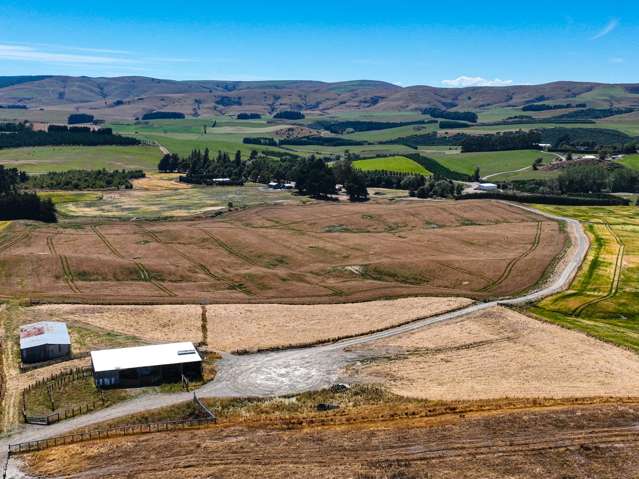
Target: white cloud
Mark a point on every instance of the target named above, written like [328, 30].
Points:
[610, 27]
[31, 54]
[465, 81]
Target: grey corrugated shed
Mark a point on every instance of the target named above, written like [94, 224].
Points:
[45, 332]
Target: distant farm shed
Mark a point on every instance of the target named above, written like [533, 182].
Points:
[44, 341]
[145, 365]
[487, 187]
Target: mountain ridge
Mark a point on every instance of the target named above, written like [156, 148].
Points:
[132, 96]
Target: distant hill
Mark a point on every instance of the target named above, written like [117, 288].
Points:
[130, 97]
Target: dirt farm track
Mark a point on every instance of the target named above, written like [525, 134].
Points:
[318, 253]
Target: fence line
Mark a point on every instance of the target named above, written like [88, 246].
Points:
[126, 430]
[57, 381]
[203, 408]
[70, 357]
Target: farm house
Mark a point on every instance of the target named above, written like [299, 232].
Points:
[44, 341]
[145, 365]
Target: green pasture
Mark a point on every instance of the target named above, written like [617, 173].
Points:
[490, 162]
[43, 159]
[630, 161]
[62, 197]
[399, 164]
[603, 298]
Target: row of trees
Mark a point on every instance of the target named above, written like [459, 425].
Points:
[585, 179]
[547, 107]
[85, 179]
[15, 204]
[512, 140]
[61, 135]
[468, 116]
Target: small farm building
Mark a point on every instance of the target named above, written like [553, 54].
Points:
[487, 186]
[44, 341]
[145, 365]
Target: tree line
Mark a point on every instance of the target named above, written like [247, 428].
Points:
[85, 179]
[510, 140]
[15, 205]
[547, 107]
[468, 116]
[61, 135]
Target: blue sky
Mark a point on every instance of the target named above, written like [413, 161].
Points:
[408, 43]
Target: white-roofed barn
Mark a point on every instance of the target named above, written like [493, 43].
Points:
[146, 365]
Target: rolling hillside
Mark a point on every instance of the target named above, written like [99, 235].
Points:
[130, 97]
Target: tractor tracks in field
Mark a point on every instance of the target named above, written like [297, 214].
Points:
[202, 267]
[4, 246]
[142, 271]
[67, 272]
[513, 262]
[616, 277]
[253, 262]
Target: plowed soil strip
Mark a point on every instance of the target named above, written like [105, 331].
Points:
[144, 273]
[511, 264]
[240, 287]
[616, 277]
[67, 272]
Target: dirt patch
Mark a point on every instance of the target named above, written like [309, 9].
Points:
[501, 353]
[584, 441]
[317, 253]
[160, 182]
[231, 327]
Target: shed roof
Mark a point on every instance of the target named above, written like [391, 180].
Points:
[45, 332]
[144, 356]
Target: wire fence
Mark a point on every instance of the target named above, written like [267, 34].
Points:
[55, 382]
[124, 430]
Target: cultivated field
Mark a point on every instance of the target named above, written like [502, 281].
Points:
[556, 443]
[602, 300]
[63, 158]
[399, 164]
[231, 327]
[500, 353]
[318, 253]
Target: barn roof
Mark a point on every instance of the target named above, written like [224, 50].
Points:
[45, 332]
[144, 356]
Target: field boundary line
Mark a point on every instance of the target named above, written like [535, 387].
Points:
[143, 272]
[229, 249]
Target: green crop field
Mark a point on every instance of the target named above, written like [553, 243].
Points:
[631, 161]
[602, 300]
[399, 164]
[63, 197]
[62, 158]
[491, 162]
[392, 133]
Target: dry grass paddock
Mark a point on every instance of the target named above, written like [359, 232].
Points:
[232, 327]
[501, 353]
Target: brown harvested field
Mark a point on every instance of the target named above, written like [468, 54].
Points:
[317, 253]
[232, 327]
[599, 441]
[501, 353]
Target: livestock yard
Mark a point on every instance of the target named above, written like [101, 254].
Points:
[317, 253]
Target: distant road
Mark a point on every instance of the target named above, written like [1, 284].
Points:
[299, 370]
